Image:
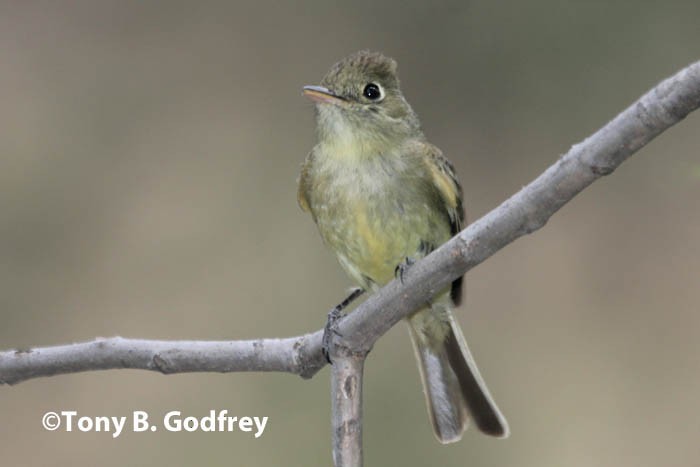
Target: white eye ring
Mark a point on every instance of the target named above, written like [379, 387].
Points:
[373, 92]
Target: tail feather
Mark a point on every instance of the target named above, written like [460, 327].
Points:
[454, 389]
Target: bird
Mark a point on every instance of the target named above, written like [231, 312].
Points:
[383, 197]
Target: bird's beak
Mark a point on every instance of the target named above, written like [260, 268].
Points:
[323, 95]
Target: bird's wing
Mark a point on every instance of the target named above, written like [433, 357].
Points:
[302, 183]
[445, 180]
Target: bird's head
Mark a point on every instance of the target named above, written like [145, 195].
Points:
[359, 102]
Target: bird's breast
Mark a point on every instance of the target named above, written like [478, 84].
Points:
[375, 214]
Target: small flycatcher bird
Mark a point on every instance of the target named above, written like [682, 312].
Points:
[382, 197]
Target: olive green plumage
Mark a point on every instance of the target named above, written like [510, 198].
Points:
[379, 194]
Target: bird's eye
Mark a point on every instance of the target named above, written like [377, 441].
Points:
[373, 92]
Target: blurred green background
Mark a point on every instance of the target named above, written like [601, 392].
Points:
[148, 158]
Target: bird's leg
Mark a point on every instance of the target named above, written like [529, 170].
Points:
[331, 324]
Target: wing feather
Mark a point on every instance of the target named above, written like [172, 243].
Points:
[445, 180]
[303, 183]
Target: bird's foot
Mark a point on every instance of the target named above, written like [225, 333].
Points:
[402, 267]
[329, 330]
[331, 326]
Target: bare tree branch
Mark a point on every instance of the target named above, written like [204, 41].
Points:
[526, 211]
[346, 410]
[300, 355]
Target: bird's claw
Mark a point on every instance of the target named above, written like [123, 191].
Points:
[331, 326]
[402, 267]
[329, 330]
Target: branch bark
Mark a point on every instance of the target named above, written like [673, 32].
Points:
[526, 211]
[300, 355]
[346, 410]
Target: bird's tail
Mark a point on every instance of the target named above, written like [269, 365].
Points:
[454, 389]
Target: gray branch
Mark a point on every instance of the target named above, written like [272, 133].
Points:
[346, 407]
[526, 211]
[300, 355]
[523, 213]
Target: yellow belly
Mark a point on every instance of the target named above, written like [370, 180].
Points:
[371, 246]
